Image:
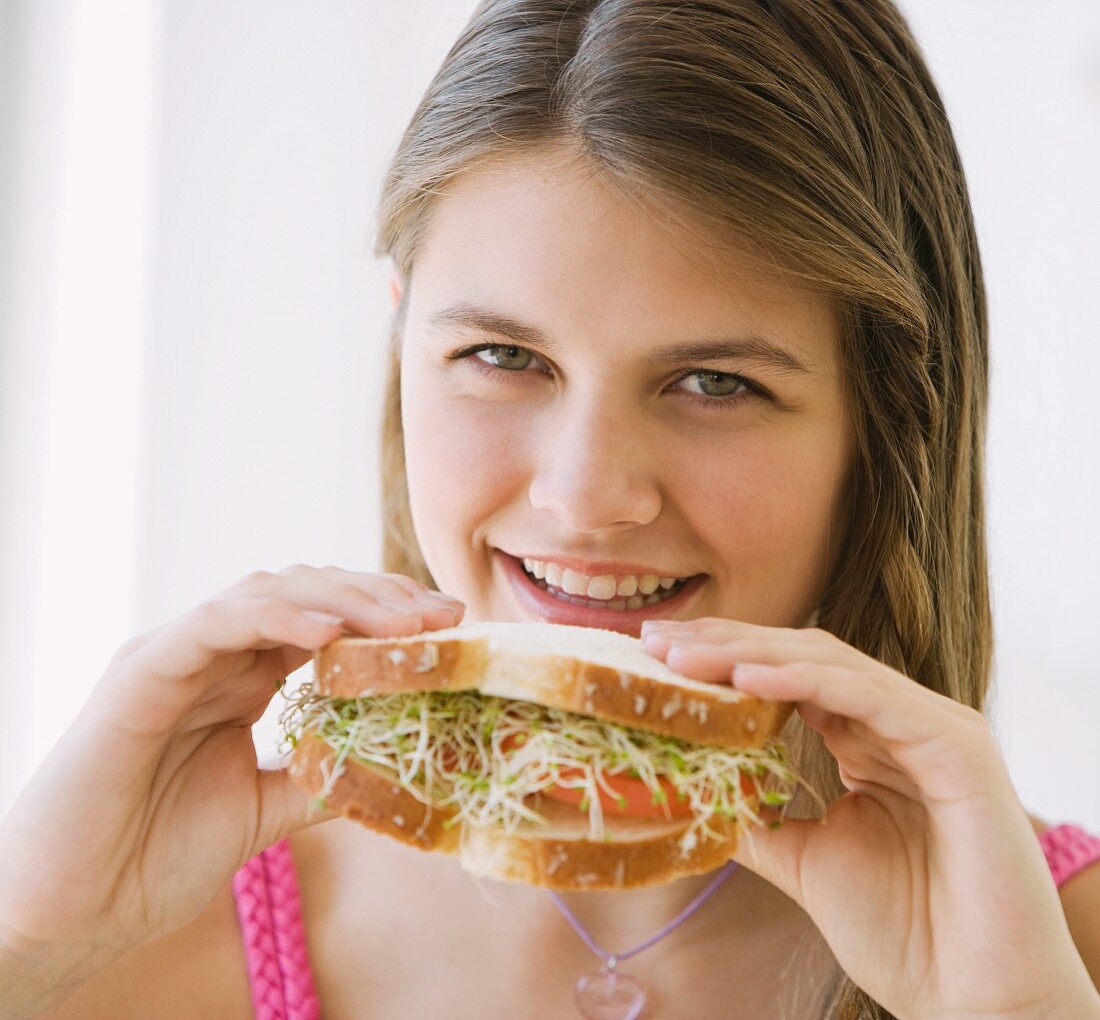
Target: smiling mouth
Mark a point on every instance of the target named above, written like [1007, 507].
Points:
[634, 602]
[622, 614]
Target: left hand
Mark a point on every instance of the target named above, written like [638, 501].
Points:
[926, 878]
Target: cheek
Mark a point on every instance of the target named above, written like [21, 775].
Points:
[765, 509]
[464, 461]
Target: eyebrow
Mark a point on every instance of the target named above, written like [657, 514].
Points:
[750, 346]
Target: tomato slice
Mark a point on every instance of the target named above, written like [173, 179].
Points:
[636, 802]
[636, 799]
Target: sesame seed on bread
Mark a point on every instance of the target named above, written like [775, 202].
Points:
[590, 671]
[639, 852]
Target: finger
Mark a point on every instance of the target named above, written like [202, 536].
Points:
[164, 678]
[711, 663]
[714, 660]
[128, 647]
[774, 853]
[410, 585]
[702, 655]
[709, 627]
[406, 586]
[863, 764]
[192, 642]
[788, 851]
[283, 809]
[890, 705]
[945, 748]
[359, 599]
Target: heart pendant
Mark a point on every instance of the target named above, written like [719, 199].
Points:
[608, 995]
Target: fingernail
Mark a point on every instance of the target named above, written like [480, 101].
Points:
[433, 601]
[397, 607]
[326, 618]
[666, 627]
[436, 596]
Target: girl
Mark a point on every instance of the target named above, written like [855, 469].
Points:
[680, 289]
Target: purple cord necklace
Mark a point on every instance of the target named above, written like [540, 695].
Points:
[608, 994]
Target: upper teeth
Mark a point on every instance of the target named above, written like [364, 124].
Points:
[603, 587]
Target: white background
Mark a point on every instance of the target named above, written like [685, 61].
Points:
[192, 326]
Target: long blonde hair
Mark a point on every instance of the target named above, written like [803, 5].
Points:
[813, 129]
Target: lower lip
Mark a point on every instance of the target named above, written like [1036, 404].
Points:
[553, 610]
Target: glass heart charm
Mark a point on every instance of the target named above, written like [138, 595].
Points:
[609, 995]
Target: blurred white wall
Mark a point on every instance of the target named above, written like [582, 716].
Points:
[191, 326]
[80, 90]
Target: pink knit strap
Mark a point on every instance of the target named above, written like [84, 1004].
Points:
[269, 908]
[1069, 849]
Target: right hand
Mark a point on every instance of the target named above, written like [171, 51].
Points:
[152, 798]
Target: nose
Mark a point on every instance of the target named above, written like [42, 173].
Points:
[593, 471]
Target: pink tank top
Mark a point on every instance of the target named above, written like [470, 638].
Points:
[269, 907]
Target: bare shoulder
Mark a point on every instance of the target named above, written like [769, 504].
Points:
[198, 970]
[1081, 902]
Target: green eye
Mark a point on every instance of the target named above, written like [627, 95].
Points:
[508, 358]
[716, 384]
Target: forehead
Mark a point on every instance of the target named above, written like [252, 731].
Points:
[543, 238]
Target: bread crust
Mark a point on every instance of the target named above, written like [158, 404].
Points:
[691, 710]
[653, 855]
[354, 667]
[373, 797]
[641, 852]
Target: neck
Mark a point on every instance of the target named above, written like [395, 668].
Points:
[747, 925]
[620, 920]
[636, 911]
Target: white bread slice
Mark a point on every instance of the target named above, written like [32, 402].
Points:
[640, 852]
[586, 670]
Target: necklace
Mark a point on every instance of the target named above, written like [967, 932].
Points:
[608, 994]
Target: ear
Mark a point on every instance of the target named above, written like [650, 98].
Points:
[395, 289]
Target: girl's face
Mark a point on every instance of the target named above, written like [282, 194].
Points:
[582, 435]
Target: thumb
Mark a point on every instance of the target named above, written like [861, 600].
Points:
[283, 808]
[774, 850]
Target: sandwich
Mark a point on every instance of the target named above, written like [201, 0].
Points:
[552, 755]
